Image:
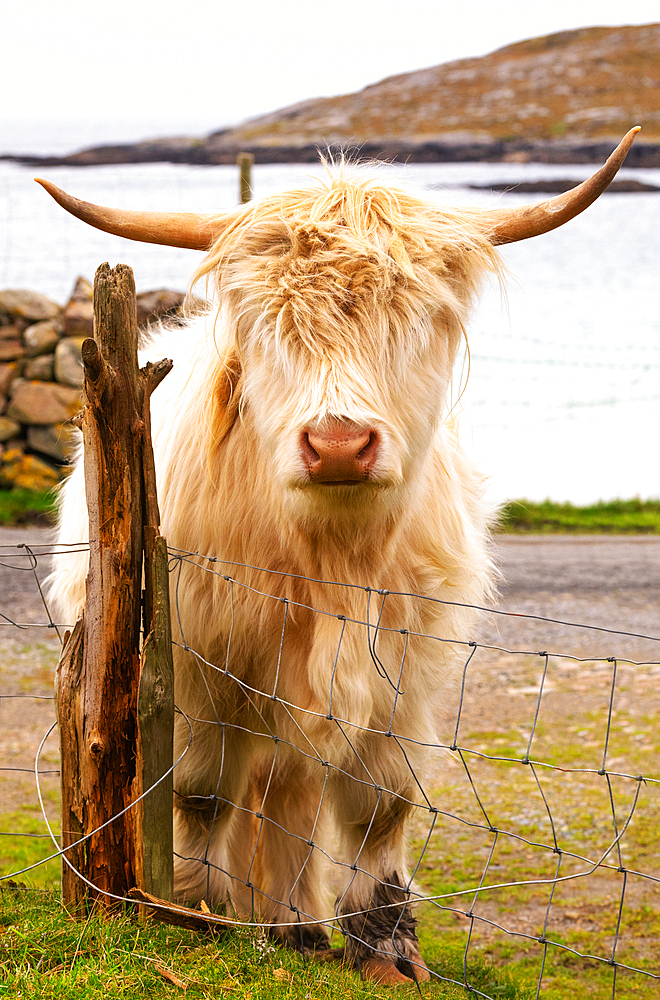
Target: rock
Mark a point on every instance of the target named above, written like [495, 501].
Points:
[153, 305]
[11, 350]
[12, 331]
[26, 471]
[68, 361]
[56, 440]
[7, 375]
[40, 368]
[16, 303]
[41, 338]
[8, 428]
[79, 310]
[42, 402]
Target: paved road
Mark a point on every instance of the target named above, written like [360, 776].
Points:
[607, 581]
[19, 594]
[579, 563]
[611, 581]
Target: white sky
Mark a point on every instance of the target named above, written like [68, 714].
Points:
[214, 58]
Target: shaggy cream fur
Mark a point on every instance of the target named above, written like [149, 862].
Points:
[347, 300]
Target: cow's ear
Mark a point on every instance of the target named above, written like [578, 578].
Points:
[227, 396]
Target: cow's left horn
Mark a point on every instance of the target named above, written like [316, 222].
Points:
[513, 224]
[171, 229]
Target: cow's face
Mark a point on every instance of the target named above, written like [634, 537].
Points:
[345, 341]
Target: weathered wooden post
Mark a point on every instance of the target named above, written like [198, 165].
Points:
[99, 690]
[245, 161]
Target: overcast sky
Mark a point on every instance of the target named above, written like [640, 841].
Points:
[227, 60]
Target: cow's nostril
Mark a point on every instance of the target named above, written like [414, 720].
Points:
[370, 448]
[310, 455]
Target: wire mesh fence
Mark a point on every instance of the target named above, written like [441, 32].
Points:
[531, 819]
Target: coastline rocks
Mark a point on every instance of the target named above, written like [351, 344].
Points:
[41, 368]
[9, 429]
[79, 310]
[26, 472]
[17, 303]
[42, 402]
[68, 365]
[158, 304]
[7, 375]
[10, 350]
[41, 338]
[55, 440]
[41, 376]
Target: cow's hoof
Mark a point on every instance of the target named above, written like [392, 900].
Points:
[330, 955]
[415, 968]
[380, 970]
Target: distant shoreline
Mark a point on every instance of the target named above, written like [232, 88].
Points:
[203, 152]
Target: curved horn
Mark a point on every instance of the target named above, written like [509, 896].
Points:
[171, 229]
[512, 224]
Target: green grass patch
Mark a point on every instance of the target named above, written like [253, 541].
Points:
[44, 953]
[617, 517]
[19, 506]
[24, 841]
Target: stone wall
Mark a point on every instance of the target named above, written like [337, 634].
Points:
[41, 377]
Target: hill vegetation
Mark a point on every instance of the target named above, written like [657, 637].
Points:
[590, 83]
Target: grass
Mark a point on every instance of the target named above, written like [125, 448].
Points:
[617, 517]
[20, 506]
[46, 954]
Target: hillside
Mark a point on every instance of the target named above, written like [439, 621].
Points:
[591, 83]
[563, 96]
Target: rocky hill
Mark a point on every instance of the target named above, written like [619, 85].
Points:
[563, 96]
[591, 83]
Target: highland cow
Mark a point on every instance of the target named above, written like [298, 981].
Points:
[303, 437]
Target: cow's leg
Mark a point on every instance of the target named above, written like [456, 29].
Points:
[379, 926]
[273, 853]
[212, 777]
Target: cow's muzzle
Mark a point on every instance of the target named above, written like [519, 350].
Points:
[339, 452]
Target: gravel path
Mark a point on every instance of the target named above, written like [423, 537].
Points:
[607, 581]
[611, 581]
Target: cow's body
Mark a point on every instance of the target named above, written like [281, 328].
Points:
[338, 316]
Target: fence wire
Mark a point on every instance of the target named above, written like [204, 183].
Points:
[519, 824]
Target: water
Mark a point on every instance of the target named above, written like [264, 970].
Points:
[564, 389]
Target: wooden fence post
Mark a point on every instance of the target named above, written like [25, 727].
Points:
[245, 161]
[99, 671]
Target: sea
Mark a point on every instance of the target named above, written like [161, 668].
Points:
[561, 396]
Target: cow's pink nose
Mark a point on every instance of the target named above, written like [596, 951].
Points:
[339, 452]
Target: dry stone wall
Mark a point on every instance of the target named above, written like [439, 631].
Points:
[41, 377]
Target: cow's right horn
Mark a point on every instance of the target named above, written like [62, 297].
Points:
[171, 229]
[513, 224]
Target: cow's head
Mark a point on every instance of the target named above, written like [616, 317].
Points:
[340, 311]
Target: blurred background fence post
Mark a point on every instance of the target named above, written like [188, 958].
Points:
[245, 161]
